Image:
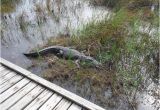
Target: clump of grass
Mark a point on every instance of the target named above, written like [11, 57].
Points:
[8, 6]
[61, 39]
[23, 24]
[104, 36]
[41, 17]
[51, 11]
[58, 68]
[108, 3]
[129, 4]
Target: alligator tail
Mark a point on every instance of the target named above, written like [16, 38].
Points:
[33, 54]
[42, 52]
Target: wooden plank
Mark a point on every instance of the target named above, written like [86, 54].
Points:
[27, 98]
[6, 77]
[51, 103]
[73, 97]
[74, 107]
[13, 90]
[9, 83]
[4, 72]
[18, 95]
[63, 105]
[39, 100]
[2, 68]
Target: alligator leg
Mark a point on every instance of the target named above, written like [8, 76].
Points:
[77, 63]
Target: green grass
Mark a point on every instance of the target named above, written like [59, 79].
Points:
[119, 45]
[110, 40]
[23, 24]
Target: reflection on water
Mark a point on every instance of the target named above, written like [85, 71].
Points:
[149, 99]
[35, 21]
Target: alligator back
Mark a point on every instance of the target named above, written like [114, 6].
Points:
[45, 51]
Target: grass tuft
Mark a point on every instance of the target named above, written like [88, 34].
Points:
[8, 6]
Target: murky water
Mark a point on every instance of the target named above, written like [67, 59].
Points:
[149, 99]
[34, 21]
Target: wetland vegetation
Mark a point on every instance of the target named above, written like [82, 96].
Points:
[8, 6]
[127, 45]
[123, 50]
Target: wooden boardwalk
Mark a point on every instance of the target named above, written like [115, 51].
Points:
[22, 90]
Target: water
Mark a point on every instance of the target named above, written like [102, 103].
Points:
[34, 21]
[149, 99]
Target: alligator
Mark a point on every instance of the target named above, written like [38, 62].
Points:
[66, 53]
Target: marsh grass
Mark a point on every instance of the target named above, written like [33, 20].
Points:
[51, 11]
[8, 6]
[129, 4]
[40, 14]
[126, 54]
[23, 24]
[122, 49]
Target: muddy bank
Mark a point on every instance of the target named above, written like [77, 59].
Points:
[38, 24]
[100, 85]
[93, 84]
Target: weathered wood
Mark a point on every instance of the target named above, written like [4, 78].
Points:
[51, 103]
[4, 72]
[7, 77]
[21, 93]
[63, 105]
[77, 99]
[74, 107]
[27, 98]
[2, 68]
[9, 83]
[36, 103]
[13, 90]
